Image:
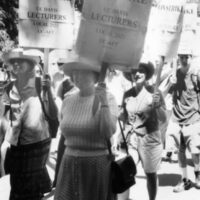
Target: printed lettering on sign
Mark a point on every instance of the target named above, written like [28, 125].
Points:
[45, 23]
[113, 31]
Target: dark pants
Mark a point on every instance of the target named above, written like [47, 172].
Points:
[61, 149]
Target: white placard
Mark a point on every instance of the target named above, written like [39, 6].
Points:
[113, 31]
[197, 36]
[188, 33]
[164, 28]
[46, 24]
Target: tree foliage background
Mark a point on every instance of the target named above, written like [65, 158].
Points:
[8, 24]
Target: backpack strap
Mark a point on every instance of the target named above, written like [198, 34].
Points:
[196, 84]
[38, 90]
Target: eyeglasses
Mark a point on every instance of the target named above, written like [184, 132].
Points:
[140, 70]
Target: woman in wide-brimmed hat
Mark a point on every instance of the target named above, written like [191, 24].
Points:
[147, 68]
[29, 136]
[142, 111]
[85, 162]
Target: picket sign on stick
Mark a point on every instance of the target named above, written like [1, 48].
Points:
[104, 68]
[174, 67]
[113, 31]
[102, 76]
[46, 24]
[187, 39]
[46, 60]
[164, 28]
[161, 64]
[197, 35]
[45, 72]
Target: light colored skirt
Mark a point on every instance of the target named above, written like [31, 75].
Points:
[84, 178]
[150, 152]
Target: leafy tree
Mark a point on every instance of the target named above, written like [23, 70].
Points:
[10, 21]
[8, 24]
[5, 42]
[1, 17]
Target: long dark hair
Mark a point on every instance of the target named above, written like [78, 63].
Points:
[78, 4]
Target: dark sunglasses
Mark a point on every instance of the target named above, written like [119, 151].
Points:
[140, 70]
[60, 64]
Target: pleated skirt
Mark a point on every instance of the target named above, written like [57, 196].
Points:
[84, 178]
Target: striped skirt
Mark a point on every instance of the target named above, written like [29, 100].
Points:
[84, 178]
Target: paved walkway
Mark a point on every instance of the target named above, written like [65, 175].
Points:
[168, 177]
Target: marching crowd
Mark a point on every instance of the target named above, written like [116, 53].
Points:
[158, 104]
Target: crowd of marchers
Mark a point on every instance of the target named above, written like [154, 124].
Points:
[158, 111]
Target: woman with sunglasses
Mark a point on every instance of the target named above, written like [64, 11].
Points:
[142, 107]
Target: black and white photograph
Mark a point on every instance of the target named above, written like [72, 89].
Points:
[99, 99]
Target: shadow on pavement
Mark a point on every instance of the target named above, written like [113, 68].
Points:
[165, 179]
[168, 179]
[190, 162]
[140, 177]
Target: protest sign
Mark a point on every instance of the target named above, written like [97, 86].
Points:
[197, 36]
[164, 28]
[187, 39]
[113, 31]
[46, 24]
[198, 17]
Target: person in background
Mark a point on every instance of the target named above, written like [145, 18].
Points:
[78, 4]
[116, 84]
[59, 75]
[142, 109]
[29, 136]
[66, 85]
[10, 108]
[170, 154]
[4, 121]
[86, 125]
[184, 125]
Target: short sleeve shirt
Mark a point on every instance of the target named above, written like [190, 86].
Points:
[185, 100]
[139, 111]
[30, 126]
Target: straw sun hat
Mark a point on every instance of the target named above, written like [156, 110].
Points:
[17, 54]
[75, 62]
